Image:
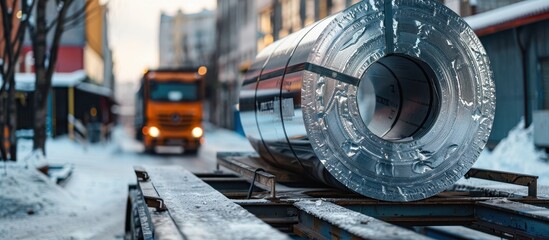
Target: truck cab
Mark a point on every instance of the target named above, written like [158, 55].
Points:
[169, 108]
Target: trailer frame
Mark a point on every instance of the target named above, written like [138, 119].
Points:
[320, 212]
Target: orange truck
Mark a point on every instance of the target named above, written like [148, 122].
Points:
[169, 108]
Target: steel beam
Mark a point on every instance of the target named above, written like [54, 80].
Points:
[262, 178]
[454, 233]
[320, 219]
[138, 220]
[141, 173]
[282, 216]
[201, 212]
[151, 196]
[164, 227]
[507, 177]
[507, 218]
[459, 211]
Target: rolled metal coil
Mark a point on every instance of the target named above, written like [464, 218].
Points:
[391, 99]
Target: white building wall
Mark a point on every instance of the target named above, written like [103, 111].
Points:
[186, 40]
[165, 41]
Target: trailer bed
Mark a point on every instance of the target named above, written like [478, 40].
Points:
[247, 202]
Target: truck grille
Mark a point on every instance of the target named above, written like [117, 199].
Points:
[175, 121]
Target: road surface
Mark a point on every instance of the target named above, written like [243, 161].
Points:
[92, 203]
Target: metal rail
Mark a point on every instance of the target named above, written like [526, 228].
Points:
[507, 177]
[320, 219]
[324, 213]
[485, 211]
[146, 188]
[263, 178]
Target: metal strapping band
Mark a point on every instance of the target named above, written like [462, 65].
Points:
[312, 68]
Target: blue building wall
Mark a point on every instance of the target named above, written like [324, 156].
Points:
[537, 52]
[504, 50]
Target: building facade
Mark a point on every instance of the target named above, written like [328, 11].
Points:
[166, 56]
[187, 40]
[517, 43]
[248, 26]
[236, 49]
[98, 63]
[84, 60]
[283, 17]
[471, 7]
[84, 44]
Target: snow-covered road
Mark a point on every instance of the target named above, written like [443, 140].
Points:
[92, 203]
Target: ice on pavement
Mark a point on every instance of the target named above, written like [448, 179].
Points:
[92, 203]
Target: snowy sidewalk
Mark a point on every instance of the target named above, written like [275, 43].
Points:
[92, 204]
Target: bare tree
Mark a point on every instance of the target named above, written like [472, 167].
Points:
[45, 63]
[14, 24]
[15, 19]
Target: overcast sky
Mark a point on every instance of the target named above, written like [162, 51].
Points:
[133, 32]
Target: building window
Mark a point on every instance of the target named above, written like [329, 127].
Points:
[265, 29]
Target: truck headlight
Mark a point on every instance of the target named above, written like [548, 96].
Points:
[154, 131]
[197, 132]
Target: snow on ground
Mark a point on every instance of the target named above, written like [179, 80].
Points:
[516, 153]
[37, 207]
[26, 192]
[92, 203]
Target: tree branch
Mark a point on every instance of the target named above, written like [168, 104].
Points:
[78, 14]
[19, 38]
[11, 51]
[75, 22]
[25, 19]
[6, 24]
[57, 38]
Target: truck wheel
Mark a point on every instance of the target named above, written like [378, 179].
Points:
[150, 150]
[193, 151]
[138, 135]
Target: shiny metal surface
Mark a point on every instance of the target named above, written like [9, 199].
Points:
[391, 99]
[397, 98]
[247, 103]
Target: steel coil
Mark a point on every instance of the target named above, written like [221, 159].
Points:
[391, 99]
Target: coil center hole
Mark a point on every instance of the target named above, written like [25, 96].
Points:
[398, 98]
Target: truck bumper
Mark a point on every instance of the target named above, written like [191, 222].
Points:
[186, 143]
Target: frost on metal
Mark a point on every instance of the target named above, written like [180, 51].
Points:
[202, 212]
[392, 99]
[356, 223]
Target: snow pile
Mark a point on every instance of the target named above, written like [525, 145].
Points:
[25, 191]
[36, 159]
[31, 205]
[90, 205]
[517, 153]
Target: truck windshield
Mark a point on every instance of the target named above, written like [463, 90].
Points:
[173, 91]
